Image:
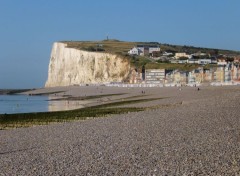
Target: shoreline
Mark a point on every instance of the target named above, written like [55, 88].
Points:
[101, 94]
[94, 95]
[183, 132]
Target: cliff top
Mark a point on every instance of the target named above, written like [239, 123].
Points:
[122, 47]
[109, 46]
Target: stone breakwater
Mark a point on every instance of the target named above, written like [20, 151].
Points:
[69, 66]
[199, 136]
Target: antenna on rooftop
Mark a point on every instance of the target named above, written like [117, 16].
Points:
[107, 37]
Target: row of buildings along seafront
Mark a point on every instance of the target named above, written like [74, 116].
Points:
[225, 68]
[221, 74]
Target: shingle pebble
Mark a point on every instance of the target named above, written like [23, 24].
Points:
[201, 136]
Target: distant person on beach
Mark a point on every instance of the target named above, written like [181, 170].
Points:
[198, 88]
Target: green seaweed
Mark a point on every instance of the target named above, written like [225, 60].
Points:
[42, 118]
[86, 97]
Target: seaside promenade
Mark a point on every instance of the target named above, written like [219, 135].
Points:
[187, 132]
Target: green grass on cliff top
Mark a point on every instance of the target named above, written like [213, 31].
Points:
[108, 46]
[121, 48]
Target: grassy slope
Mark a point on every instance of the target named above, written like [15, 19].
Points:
[121, 48]
[111, 46]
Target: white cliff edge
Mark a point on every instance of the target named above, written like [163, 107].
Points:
[69, 66]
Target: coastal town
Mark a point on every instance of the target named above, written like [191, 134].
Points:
[211, 68]
[120, 88]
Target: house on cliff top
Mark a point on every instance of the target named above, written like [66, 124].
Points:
[144, 50]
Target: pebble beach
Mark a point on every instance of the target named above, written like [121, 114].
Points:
[188, 132]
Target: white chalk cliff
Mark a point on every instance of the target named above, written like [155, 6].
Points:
[69, 66]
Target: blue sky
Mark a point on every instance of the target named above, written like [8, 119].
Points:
[28, 29]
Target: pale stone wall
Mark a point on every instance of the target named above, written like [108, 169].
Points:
[70, 66]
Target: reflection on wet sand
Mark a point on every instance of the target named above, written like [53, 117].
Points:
[64, 105]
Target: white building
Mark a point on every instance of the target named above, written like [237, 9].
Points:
[222, 62]
[182, 61]
[214, 60]
[154, 76]
[204, 61]
[193, 61]
[144, 49]
[167, 54]
[153, 48]
[135, 51]
[178, 55]
[227, 73]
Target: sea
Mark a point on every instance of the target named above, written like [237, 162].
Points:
[13, 104]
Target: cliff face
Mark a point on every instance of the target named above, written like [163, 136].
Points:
[70, 66]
